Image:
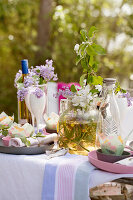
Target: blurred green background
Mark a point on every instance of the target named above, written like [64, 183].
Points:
[49, 29]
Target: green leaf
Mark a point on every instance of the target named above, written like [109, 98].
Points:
[73, 89]
[41, 80]
[95, 67]
[99, 49]
[38, 70]
[81, 82]
[25, 141]
[90, 51]
[5, 132]
[78, 59]
[84, 64]
[82, 48]
[85, 70]
[97, 80]
[83, 34]
[93, 91]
[20, 80]
[123, 91]
[89, 79]
[92, 30]
[40, 135]
[91, 61]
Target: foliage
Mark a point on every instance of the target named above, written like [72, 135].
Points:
[86, 54]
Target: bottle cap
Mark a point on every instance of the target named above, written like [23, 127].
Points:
[109, 81]
[24, 64]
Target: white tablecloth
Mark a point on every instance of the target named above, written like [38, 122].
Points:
[22, 177]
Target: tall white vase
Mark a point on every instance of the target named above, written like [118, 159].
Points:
[27, 101]
[126, 117]
[37, 106]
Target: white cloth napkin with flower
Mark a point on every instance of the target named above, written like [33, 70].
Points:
[126, 161]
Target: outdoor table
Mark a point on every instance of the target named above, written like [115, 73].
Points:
[35, 177]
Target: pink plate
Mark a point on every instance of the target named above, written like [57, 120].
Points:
[109, 167]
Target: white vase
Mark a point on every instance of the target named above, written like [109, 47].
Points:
[123, 107]
[27, 101]
[126, 117]
[37, 106]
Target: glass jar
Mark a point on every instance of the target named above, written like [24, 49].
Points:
[109, 137]
[77, 129]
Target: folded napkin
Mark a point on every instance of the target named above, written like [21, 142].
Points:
[127, 161]
[48, 139]
[51, 121]
[33, 141]
[16, 142]
[5, 119]
[6, 140]
[17, 130]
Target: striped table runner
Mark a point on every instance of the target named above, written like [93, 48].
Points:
[67, 178]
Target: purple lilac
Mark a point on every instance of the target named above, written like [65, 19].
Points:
[28, 81]
[129, 98]
[49, 62]
[22, 93]
[38, 92]
[65, 92]
[46, 71]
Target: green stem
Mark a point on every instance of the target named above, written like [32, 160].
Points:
[83, 147]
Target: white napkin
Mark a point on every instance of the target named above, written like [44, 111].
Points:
[48, 139]
[51, 121]
[127, 161]
[16, 142]
[5, 119]
[33, 141]
[56, 153]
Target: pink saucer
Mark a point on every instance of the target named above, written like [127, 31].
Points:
[109, 167]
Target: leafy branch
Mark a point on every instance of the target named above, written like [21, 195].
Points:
[87, 52]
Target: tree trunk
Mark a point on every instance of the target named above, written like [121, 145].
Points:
[43, 27]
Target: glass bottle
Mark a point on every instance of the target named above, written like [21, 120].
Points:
[23, 113]
[108, 127]
[77, 129]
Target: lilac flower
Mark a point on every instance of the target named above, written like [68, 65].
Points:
[55, 77]
[129, 98]
[49, 62]
[38, 92]
[28, 81]
[22, 93]
[46, 71]
[36, 70]
[65, 92]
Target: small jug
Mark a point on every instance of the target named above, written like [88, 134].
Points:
[108, 127]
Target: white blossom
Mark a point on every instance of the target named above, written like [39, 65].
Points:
[82, 104]
[89, 97]
[76, 100]
[98, 87]
[76, 48]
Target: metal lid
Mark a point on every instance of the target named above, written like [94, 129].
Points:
[109, 81]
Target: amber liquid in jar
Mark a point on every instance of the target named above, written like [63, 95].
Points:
[78, 136]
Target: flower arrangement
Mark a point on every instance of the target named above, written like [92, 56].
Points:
[37, 76]
[77, 125]
[90, 82]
